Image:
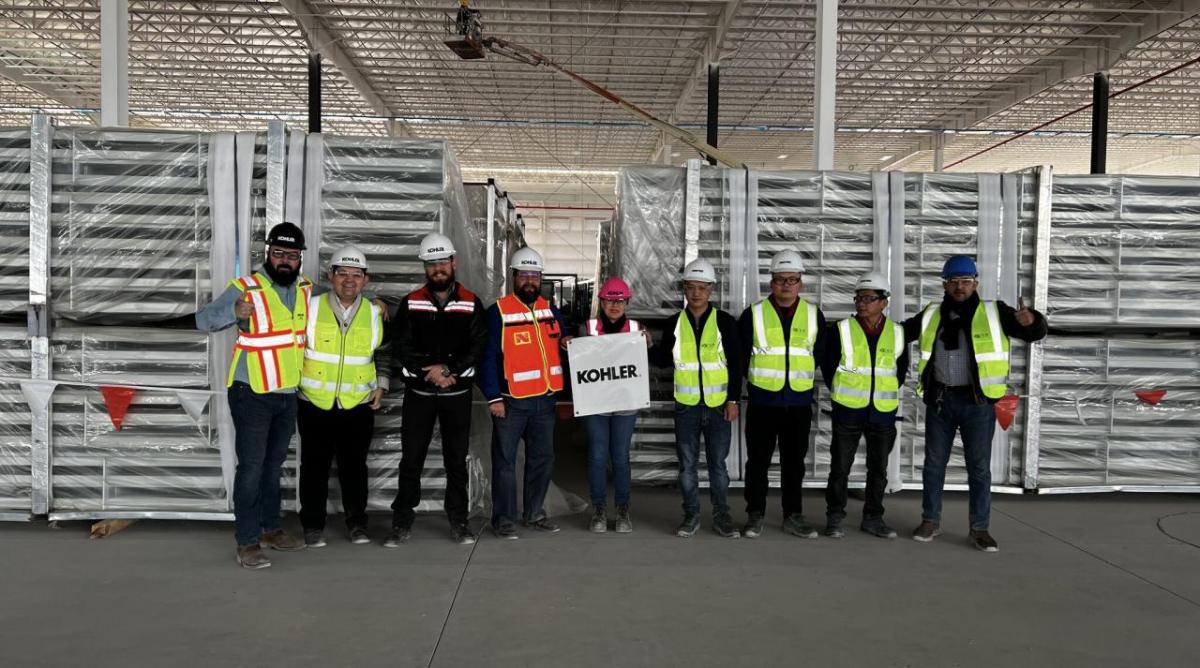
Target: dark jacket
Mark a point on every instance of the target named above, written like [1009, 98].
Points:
[426, 332]
[660, 354]
[1008, 323]
[785, 396]
[829, 364]
[491, 373]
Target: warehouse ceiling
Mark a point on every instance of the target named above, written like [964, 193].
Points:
[907, 69]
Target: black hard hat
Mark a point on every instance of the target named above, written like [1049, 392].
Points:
[286, 235]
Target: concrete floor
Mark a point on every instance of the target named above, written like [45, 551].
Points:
[1079, 581]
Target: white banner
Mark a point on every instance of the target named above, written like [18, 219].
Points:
[609, 373]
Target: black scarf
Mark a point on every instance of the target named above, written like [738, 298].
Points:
[611, 327]
[956, 319]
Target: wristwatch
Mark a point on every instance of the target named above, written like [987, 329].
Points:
[446, 371]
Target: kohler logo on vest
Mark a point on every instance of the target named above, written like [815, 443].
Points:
[606, 374]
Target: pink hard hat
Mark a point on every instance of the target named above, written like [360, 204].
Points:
[615, 288]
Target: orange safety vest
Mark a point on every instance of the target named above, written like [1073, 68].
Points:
[529, 340]
[594, 328]
[274, 346]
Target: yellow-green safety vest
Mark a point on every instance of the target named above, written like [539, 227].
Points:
[274, 343]
[857, 381]
[772, 358]
[706, 374]
[988, 340]
[340, 367]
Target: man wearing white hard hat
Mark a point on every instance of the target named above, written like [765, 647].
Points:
[782, 337]
[520, 376]
[342, 382]
[864, 367]
[438, 340]
[701, 344]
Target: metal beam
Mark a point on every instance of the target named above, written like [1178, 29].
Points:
[1100, 123]
[326, 43]
[1072, 62]
[18, 76]
[114, 63]
[825, 84]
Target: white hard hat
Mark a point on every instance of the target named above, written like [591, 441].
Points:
[435, 247]
[874, 281]
[527, 259]
[348, 256]
[785, 261]
[700, 270]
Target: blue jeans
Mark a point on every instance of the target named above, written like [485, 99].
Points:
[608, 439]
[690, 423]
[977, 422]
[263, 424]
[531, 419]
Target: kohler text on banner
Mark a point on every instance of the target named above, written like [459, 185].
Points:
[609, 373]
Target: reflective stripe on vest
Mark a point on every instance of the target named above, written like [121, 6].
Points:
[340, 368]
[856, 381]
[594, 328]
[529, 341]
[774, 360]
[988, 341]
[274, 345]
[705, 374]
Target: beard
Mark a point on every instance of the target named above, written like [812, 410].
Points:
[281, 275]
[528, 294]
[440, 281]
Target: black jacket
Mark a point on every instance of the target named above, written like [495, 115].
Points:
[425, 333]
[1008, 323]
[660, 355]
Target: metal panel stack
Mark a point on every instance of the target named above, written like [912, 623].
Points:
[14, 220]
[16, 448]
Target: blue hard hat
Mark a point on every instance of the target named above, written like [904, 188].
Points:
[959, 265]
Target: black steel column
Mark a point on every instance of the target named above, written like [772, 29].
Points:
[714, 105]
[1100, 123]
[314, 92]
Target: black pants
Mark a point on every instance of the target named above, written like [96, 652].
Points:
[880, 439]
[324, 435]
[767, 426]
[453, 414]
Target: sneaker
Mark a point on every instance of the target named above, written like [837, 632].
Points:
[878, 528]
[252, 557]
[542, 523]
[507, 531]
[599, 523]
[795, 525]
[358, 536]
[723, 526]
[982, 540]
[927, 531]
[833, 529]
[462, 534]
[314, 538]
[397, 537]
[688, 527]
[281, 540]
[754, 525]
[624, 524]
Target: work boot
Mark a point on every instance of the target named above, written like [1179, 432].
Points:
[358, 536]
[599, 523]
[281, 540]
[796, 526]
[506, 530]
[833, 528]
[983, 541]
[723, 526]
[398, 536]
[542, 523]
[689, 526]
[314, 538]
[754, 525]
[461, 532]
[252, 557]
[927, 531]
[624, 524]
[878, 528]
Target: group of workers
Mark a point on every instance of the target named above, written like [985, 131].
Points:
[320, 359]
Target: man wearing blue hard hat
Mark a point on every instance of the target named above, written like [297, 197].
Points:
[962, 373]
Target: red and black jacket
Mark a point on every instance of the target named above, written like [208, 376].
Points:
[426, 332]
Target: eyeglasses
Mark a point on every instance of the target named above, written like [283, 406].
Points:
[529, 274]
[349, 273]
[622, 302]
[292, 256]
[965, 280]
[789, 281]
[436, 263]
[867, 299]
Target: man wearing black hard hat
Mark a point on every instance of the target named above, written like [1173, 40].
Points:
[962, 373]
[270, 310]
